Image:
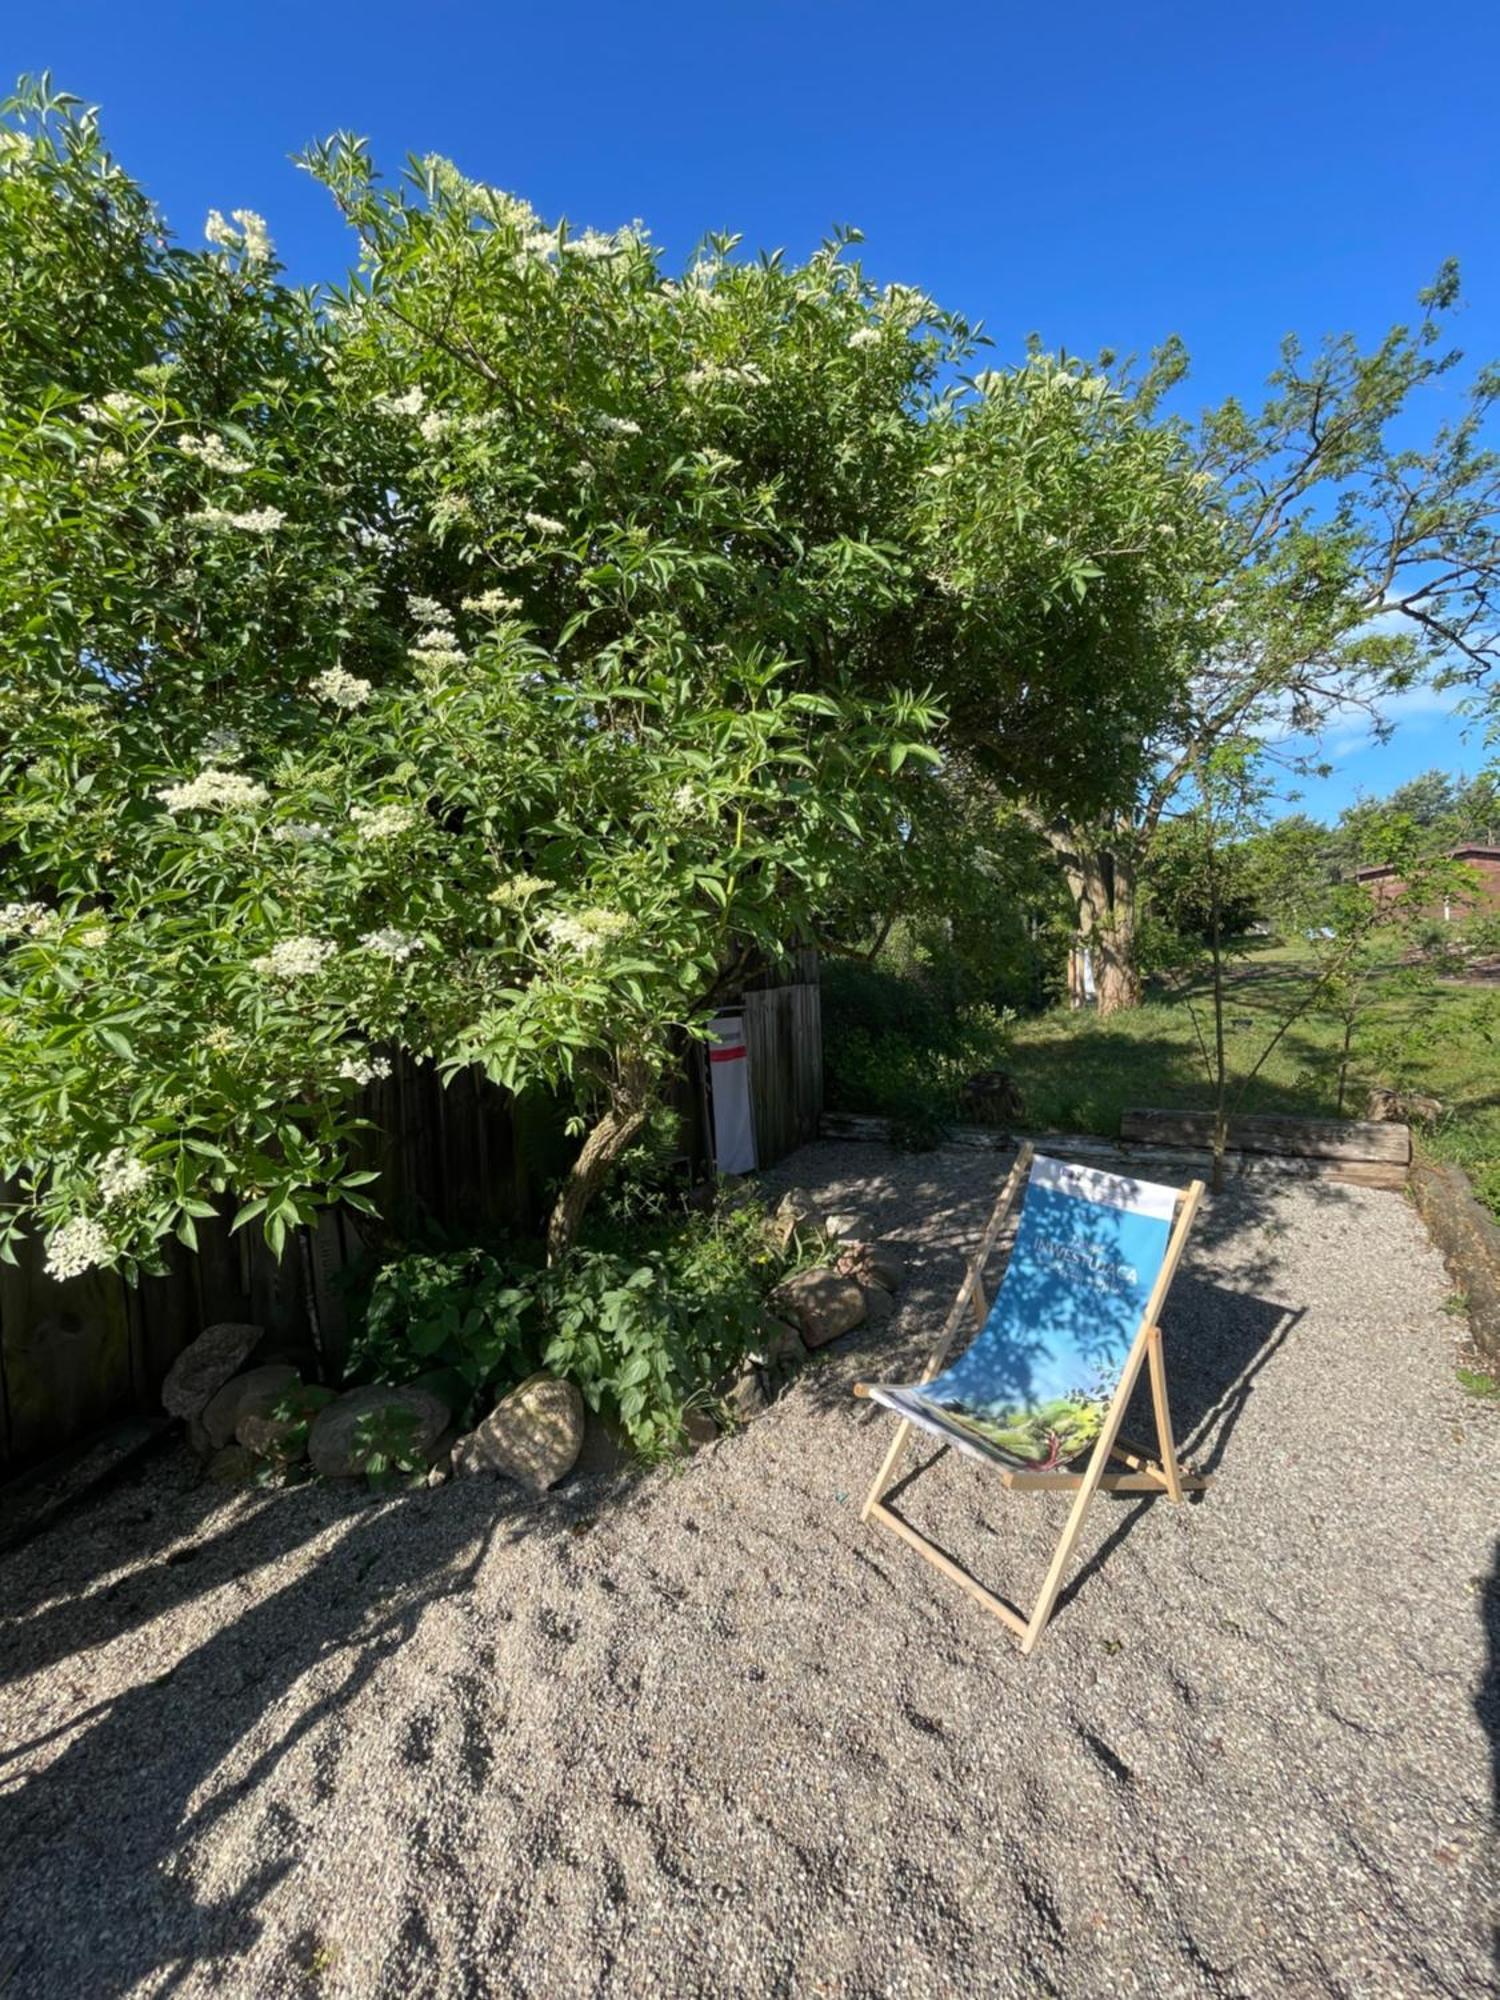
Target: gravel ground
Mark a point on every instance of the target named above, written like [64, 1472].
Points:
[707, 1734]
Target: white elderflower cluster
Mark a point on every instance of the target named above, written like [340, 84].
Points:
[592, 243]
[746, 374]
[294, 958]
[543, 524]
[77, 1247]
[24, 919]
[382, 822]
[365, 1069]
[252, 236]
[438, 657]
[215, 791]
[258, 521]
[905, 305]
[343, 689]
[397, 946]
[435, 426]
[585, 932]
[299, 832]
[686, 801]
[258, 245]
[410, 404]
[121, 1177]
[867, 336]
[518, 891]
[436, 647]
[118, 403]
[539, 243]
[211, 450]
[625, 427]
[492, 603]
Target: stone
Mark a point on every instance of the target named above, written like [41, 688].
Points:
[205, 1365]
[256, 1390]
[991, 1098]
[746, 1396]
[841, 1225]
[232, 1466]
[821, 1304]
[415, 1420]
[780, 1345]
[282, 1438]
[533, 1435]
[1402, 1107]
[606, 1452]
[699, 1428]
[868, 1265]
[879, 1305]
[795, 1215]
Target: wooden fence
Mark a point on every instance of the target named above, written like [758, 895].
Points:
[469, 1158]
[74, 1354]
[784, 1044]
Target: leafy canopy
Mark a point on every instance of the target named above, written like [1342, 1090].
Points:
[476, 661]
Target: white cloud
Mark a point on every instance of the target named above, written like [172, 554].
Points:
[1418, 711]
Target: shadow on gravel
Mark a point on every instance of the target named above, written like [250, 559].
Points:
[1487, 1702]
[97, 1846]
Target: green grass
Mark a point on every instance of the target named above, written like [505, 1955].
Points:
[1078, 1073]
[1475, 1382]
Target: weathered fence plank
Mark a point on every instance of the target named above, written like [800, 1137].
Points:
[784, 1041]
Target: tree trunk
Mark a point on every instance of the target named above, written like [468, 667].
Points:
[1102, 882]
[631, 1100]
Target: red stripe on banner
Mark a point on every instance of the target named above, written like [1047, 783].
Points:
[726, 1055]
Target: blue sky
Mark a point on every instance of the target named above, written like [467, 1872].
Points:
[1102, 175]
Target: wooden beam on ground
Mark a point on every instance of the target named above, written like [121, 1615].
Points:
[1364, 1142]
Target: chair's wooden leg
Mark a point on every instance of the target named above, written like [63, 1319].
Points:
[1063, 1554]
[887, 1470]
[1171, 1471]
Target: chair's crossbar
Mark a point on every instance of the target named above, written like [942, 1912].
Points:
[878, 1511]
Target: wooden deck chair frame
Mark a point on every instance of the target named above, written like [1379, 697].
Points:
[1145, 1473]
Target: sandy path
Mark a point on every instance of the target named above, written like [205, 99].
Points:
[713, 1736]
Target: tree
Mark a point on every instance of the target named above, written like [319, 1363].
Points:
[1360, 961]
[1069, 528]
[1327, 565]
[483, 660]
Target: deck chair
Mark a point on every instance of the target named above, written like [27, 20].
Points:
[1054, 1360]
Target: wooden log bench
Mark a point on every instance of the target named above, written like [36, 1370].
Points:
[1364, 1153]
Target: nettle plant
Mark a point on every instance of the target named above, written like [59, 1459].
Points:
[481, 661]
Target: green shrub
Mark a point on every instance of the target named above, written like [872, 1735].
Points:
[644, 1317]
[649, 1325]
[460, 1311]
[892, 1049]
